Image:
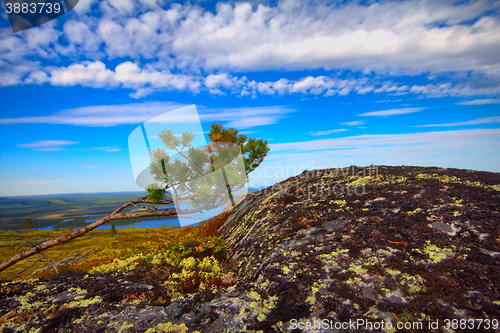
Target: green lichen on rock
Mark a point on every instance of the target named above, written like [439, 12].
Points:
[437, 254]
[169, 328]
[85, 302]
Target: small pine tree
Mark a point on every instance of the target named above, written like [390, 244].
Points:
[188, 176]
[70, 226]
[28, 224]
[113, 229]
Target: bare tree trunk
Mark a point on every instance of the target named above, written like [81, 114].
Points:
[116, 215]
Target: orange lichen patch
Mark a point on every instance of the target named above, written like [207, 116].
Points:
[20, 317]
[7, 317]
[140, 296]
[211, 227]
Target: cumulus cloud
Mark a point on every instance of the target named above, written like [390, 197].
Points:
[150, 78]
[384, 37]
[127, 75]
[80, 36]
[214, 82]
[457, 89]
[163, 46]
[391, 112]
[90, 74]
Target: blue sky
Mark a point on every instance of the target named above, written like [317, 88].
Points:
[329, 84]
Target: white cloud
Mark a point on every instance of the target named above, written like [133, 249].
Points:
[151, 78]
[315, 85]
[391, 112]
[215, 81]
[328, 86]
[385, 37]
[480, 102]
[485, 120]
[79, 35]
[339, 130]
[90, 74]
[136, 113]
[100, 115]
[473, 149]
[109, 149]
[16, 73]
[47, 145]
[49, 149]
[84, 6]
[459, 89]
[424, 142]
[246, 117]
[353, 123]
[183, 41]
[127, 74]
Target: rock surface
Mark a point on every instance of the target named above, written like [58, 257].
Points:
[377, 246]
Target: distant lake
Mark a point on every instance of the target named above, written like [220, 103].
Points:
[56, 210]
[45, 228]
[144, 224]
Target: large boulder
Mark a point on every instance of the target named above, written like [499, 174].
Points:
[358, 249]
[392, 244]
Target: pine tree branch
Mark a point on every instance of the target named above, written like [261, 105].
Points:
[190, 162]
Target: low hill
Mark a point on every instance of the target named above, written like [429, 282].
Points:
[352, 249]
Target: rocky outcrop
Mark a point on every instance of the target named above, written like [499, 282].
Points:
[342, 249]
